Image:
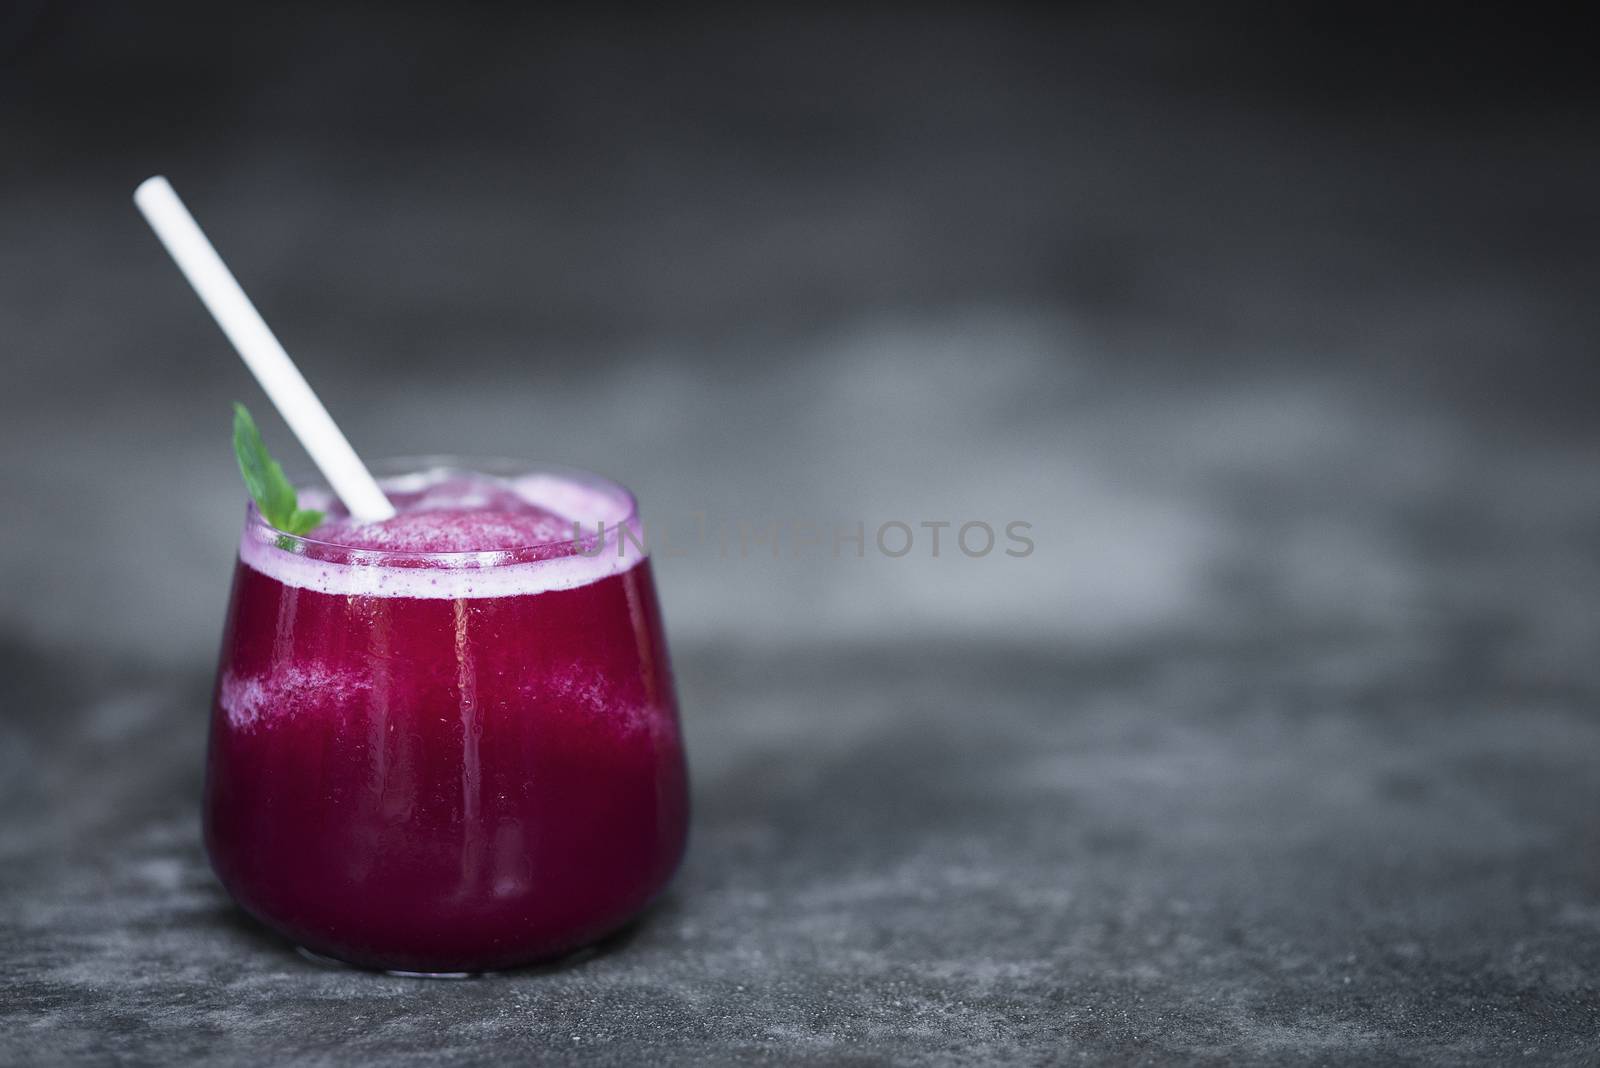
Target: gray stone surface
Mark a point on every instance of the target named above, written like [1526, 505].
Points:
[1283, 747]
[1323, 849]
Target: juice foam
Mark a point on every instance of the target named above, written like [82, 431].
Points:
[457, 535]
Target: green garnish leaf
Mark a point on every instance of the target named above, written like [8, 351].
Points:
[274, 495]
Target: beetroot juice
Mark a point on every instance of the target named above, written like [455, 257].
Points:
[448, 742]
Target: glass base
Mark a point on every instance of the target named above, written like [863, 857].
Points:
[334, 962]
[577, 956]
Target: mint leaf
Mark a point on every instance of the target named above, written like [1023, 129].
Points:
[273, 494]
[305, 521]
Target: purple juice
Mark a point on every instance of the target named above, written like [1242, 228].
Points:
[447, 742]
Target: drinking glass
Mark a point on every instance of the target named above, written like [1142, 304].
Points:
[445, 762]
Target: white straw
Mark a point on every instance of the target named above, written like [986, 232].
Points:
[282, 380]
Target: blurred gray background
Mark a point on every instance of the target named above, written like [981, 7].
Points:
[1279, 328]
[1239, 313]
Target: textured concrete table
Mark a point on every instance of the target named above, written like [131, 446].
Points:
[1245, 854]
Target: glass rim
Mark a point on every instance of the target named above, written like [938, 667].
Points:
[306, 477]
